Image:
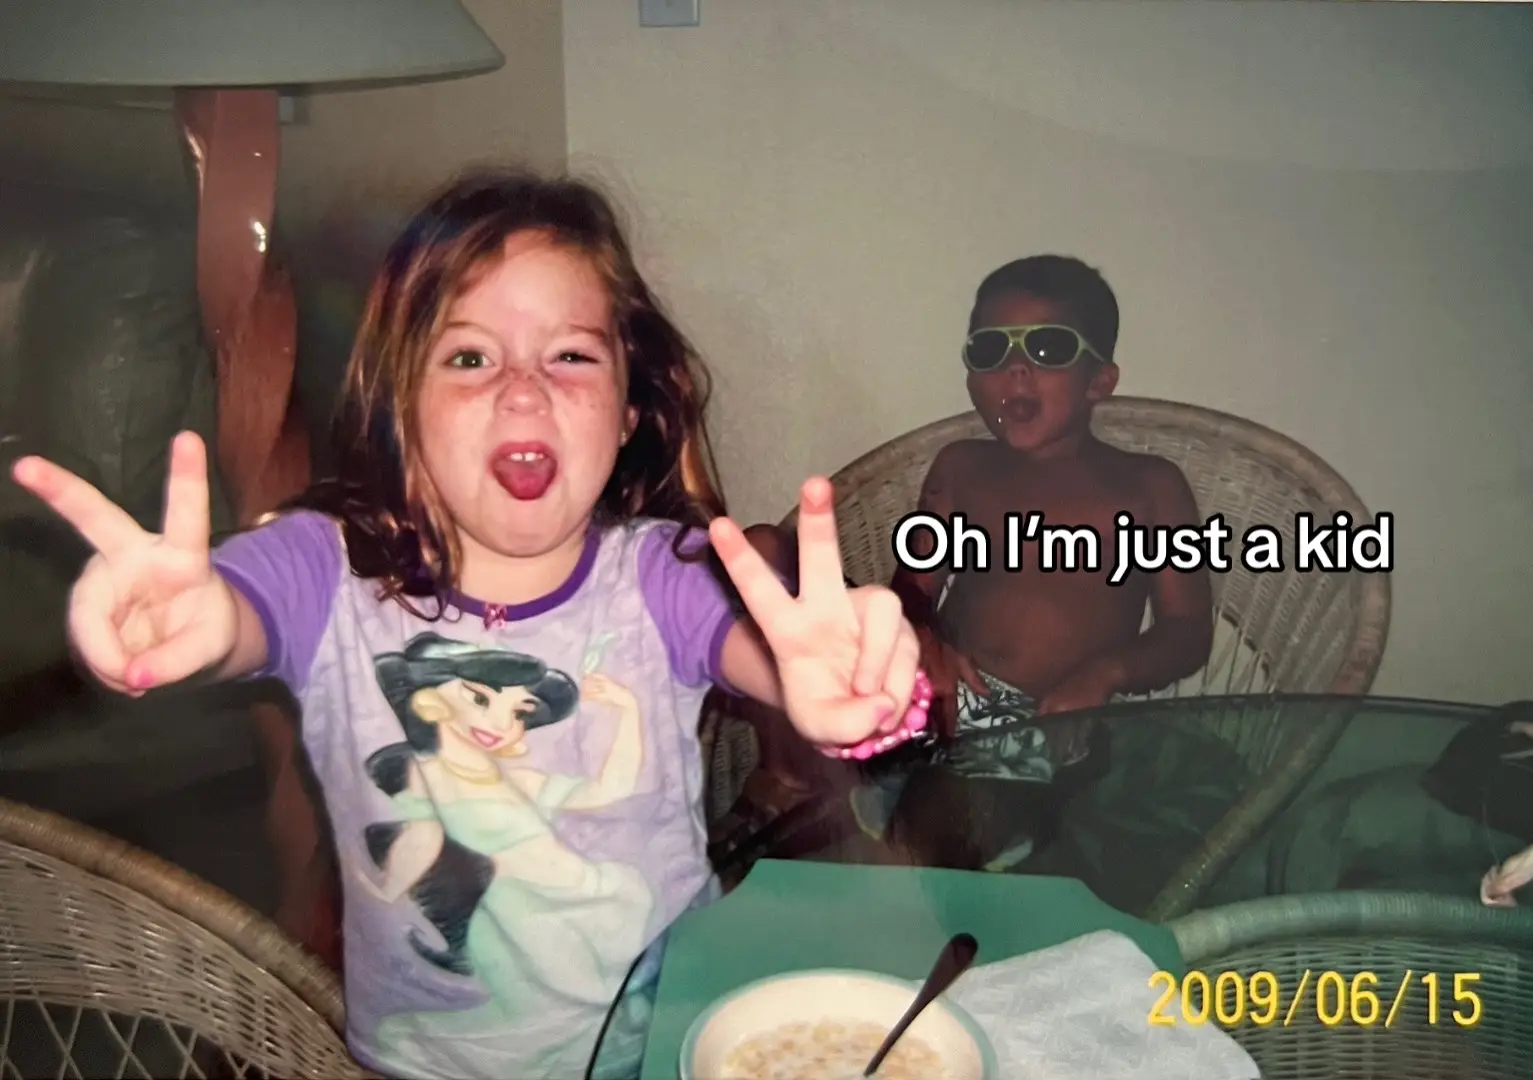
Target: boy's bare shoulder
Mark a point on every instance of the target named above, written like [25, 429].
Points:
[1149, 467]
[965, 449]
[947, 475]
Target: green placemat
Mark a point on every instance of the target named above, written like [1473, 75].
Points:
[788, 916]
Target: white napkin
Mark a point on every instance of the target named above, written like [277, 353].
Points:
[1079, 1011]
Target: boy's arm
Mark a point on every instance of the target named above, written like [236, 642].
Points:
[918, 590]
[1181, 637]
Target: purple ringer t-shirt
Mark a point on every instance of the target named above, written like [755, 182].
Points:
[516, 793]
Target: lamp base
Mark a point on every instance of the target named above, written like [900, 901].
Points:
[248, 312]
[250, 320]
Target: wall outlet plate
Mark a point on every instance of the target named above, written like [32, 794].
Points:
[669, 12]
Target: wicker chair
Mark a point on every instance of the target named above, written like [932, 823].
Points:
[1274, 632]
[1335, 1030]
[115, 963]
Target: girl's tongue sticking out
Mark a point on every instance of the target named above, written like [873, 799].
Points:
[525, 470]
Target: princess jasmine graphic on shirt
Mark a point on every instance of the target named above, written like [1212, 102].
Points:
[473, 847]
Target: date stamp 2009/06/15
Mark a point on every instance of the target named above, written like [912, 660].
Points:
[1232, 999]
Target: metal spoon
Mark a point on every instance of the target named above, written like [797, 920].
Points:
[954, 960]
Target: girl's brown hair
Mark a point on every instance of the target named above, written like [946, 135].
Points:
[395, 529]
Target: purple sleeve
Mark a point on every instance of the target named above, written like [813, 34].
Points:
[688, 604]
[289, 571]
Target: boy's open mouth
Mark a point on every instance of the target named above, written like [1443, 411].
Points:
[525, 469]
[1021, 409]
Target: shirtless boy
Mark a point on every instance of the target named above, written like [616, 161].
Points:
[1006, 647]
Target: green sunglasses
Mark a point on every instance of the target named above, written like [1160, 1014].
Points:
[1046, 346]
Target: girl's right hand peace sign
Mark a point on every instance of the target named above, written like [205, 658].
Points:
[147, 609]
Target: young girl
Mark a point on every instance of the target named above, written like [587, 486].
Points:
[500, 625]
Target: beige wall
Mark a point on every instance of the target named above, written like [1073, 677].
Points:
[1312, 222]
[389, 147]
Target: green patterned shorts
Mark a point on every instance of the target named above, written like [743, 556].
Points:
[994, 739]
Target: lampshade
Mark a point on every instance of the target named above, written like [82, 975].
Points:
[238, 43]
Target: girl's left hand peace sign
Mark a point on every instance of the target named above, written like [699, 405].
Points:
[846, 658]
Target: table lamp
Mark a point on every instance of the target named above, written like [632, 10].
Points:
[225, 61]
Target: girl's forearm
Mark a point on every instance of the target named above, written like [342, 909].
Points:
[748, 666]
[249, 651]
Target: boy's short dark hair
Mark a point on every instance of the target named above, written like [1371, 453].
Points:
[1064, 280]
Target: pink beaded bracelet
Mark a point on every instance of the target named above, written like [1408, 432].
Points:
[913, 724]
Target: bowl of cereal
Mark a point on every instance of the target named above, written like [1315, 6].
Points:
[826, 1025]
